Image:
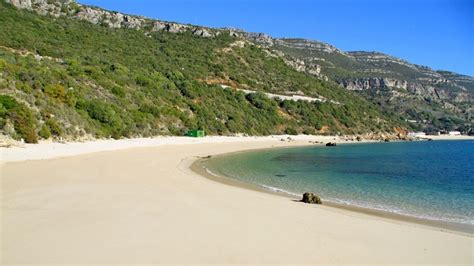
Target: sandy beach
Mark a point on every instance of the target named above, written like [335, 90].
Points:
[138, 202]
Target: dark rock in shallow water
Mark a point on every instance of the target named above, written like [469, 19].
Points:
[331, 144]
[280, 175]
[311, 198]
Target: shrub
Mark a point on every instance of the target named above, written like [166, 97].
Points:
[99, 111]
[260, 100]
[291, 131]
[309, 131]
[44, 132]
[3, 63]
[23, 120]
[142, 80]
[111, 121]
[54, 127]
[55, 91]
[118, 91]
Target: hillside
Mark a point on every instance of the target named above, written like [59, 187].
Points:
[431, 100]
[65, 77]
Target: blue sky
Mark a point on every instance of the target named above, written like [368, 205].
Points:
[436, 33]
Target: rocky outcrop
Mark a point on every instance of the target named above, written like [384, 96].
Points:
[25, 4]
[109, 19]
[202, 33]
[45, 7]
[72, 9]
[106, 18]
[379, 58]
[373, 83]
[392, 82]
[308, 45]
[178, 28]
[311, 198]
[421, 89]
[261, 38]
[300, 66]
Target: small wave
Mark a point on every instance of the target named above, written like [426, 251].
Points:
[274, 189]
[382, 208]
[394, 210]
[210, 172]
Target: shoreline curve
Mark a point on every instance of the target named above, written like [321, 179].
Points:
[452, 227]
[107, 202]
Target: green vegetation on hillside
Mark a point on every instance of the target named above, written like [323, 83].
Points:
[62, 77]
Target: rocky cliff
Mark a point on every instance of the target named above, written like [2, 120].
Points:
[111, 19]
[416, 92]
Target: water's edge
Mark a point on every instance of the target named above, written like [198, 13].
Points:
[198, 167]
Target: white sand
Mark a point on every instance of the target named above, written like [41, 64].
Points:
[49, 150]
[144, 205]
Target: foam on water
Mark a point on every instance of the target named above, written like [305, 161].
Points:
[279, 190]
[210, 172]
[400, 211]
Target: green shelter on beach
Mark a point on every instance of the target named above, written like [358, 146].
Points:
[196, 133]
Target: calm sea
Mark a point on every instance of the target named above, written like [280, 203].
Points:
[430, 180]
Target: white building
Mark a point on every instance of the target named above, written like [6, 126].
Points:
[454, 133]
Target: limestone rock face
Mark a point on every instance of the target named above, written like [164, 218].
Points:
[132, 22]
[302, 44]
[379, 59]
[99, 16]
[44, 7]
[176, 28]
[26, 4]
[422, 90]
[311, 198]
[158, 26]
[301, 66]
[92, 15]
[203, 33]
[395, 84]
[374, 83]
[110, 19]
[260, 38]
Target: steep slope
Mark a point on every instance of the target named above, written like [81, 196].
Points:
[69, 71]
[431, 100]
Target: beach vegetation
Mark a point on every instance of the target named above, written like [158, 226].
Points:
[44, 132]
[24, 121]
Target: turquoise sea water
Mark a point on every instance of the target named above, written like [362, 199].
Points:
[431, 180]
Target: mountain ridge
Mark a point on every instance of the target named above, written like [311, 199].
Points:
[89, 13]
[52, 8]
